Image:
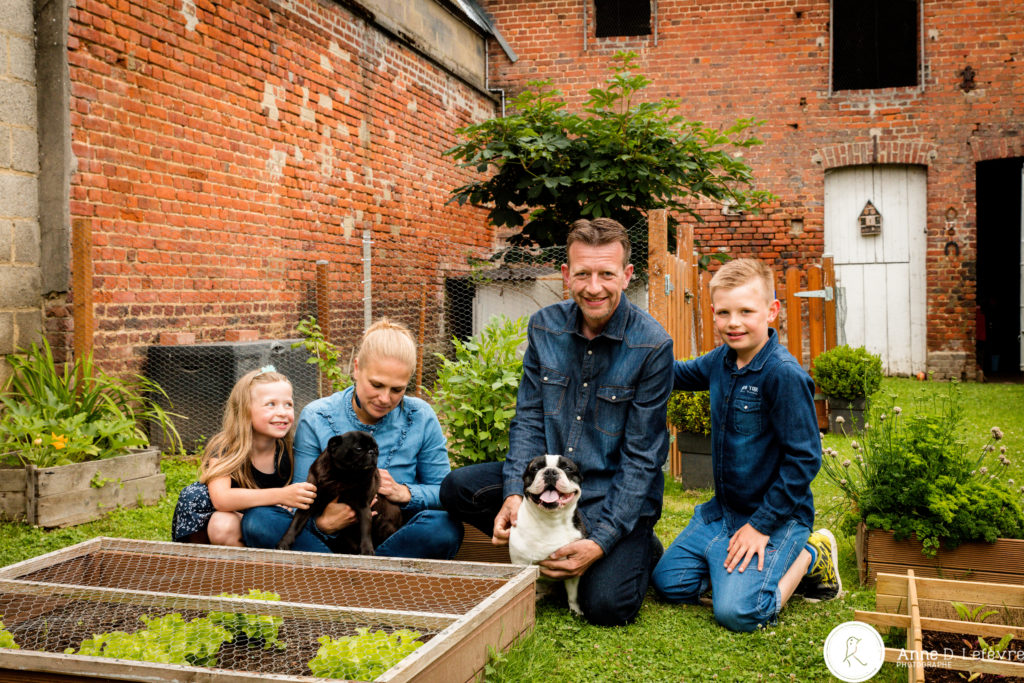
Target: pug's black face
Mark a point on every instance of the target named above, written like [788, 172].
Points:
[552, 481]
[352, 451]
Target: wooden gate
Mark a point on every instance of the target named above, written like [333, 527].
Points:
[680, 299]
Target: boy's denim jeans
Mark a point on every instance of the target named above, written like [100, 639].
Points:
[428, 534]
[613, 588]
[696, 559]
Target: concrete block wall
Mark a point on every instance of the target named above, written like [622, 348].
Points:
[769, 60]
[20, 300]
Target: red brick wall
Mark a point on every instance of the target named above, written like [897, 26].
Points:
[217, 163]
[769, 59]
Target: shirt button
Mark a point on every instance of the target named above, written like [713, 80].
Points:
[614, 397]
[590, 353]
[585, 384]
[570, 450]
[545, 379]
[745, 406]
[578, 417]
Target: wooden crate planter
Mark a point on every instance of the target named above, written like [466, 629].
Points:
[921, 604]
[477, 547]
[73, 494]
[462, 609]
[999, 562]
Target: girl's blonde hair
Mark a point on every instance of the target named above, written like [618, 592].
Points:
[227, 453]
[387, 339]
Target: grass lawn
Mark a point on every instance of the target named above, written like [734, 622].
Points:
[667, 643]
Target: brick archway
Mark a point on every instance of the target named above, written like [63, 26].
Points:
[910, 152]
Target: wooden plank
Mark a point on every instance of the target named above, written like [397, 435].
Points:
[61, 480]
[75, 507]
[828, 273]
[915, 638]
[794, 324]
[12, 505]
[12, 480]
[815, 313]
[477, 547]
[657, 255]
[707, 315]
[33, 564]
[941, 625]
[1005, 556]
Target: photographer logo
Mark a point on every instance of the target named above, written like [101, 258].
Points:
[854, 651]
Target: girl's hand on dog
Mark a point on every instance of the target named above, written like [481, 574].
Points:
[300, 495]
[392, 490]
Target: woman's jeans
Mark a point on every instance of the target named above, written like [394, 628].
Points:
[428, 534]
[742, 600]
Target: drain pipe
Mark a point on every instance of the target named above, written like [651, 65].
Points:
[367, 281]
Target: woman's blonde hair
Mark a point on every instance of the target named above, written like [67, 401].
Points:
[227, 453]
[387, 339]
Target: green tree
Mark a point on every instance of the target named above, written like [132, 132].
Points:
[620, 158]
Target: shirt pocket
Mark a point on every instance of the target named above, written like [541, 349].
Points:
[612, 409]
[746, 416]
[552, 390]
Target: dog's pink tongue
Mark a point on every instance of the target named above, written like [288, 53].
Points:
[549, 496]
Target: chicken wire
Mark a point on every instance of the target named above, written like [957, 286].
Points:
[55, 602]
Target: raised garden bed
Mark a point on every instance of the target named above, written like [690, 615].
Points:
[999, 562]
[82, 492]
[940, 645]
[53, 602]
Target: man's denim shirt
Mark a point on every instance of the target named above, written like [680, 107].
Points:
[766, 447]
[601, 402]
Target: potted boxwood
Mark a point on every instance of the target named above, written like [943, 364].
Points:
[73, 440]
[918, 498]
[689, 417]
[847, 376]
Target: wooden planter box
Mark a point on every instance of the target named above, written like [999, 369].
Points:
[477, 547]
[462, 610]
[73, 494]
[924, 604]
[689, 459]
[999, 562]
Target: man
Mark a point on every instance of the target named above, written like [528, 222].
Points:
[597, 374]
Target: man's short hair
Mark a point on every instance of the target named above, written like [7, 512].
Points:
[597, 232]
[741, 271]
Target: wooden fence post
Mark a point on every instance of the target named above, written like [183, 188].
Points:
[657, 255]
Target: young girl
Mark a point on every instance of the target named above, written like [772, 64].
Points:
[248, 463]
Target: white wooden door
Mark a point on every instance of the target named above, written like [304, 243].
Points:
[882, 303]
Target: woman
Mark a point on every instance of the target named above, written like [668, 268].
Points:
[413, 457]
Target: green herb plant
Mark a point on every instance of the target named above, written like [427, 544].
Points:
[362, 657]
[475, 394]
[254, 628]
[322, 354]
[976, 615]
[54, 414]
[847, 373]
[7, 638]
[913, 474]
[165, 640]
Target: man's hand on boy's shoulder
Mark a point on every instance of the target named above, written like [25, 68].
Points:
[743, 546]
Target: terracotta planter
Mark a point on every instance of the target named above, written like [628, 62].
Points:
[852, 413]
[999, 562]
[695, 471]
[73, 494]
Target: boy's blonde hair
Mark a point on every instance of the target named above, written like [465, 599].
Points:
[741, 271]
[387, 339]
[227, 453]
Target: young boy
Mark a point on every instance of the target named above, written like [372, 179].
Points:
[752, 542]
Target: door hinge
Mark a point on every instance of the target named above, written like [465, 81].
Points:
[827, 294]
[669, 287]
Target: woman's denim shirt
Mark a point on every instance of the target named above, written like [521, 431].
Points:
[601, 402]
[412, 446]
[766, 447]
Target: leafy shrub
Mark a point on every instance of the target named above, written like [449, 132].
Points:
[846, 372]
[7, 638]
[165, 640]
[912, 474]
[57, 416]
[690, 411]
[475, 395]
[323, 354]
[362, 657]
[254, 627]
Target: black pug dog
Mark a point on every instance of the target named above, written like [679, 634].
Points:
[347, 472]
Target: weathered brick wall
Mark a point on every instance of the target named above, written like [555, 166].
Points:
[769, 59]
[221, 149]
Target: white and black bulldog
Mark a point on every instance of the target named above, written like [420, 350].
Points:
[548, 518]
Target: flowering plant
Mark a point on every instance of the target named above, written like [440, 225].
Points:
[914, 474]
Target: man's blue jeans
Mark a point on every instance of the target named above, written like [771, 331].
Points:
[428, 534]
[611, 591]
[742, 600]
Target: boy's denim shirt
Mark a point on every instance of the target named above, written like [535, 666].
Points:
[766, 447]
[601, 402]
[412, 446]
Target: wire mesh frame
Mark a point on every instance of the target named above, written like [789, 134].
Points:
[487, 601]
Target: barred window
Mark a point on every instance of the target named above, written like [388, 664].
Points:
[622, 18]
[874, 43]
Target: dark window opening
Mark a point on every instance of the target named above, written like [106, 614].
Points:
[622, 18]
[874, 44]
